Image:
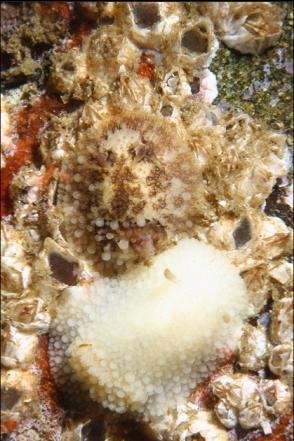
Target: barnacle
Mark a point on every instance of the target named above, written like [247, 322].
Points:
[281, 360]
[253, 348]
[245, 401]
[190, 421]
[152, 24]
[249, 27]
[197, 45]
[111, 170]
[69, 74]
[275, 396]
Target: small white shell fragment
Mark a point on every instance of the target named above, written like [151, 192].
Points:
[283, 272]
[208, 87]
[266, 427]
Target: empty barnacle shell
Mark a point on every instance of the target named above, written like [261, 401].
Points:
[268, 236]
[196, 45]
[69, 74]
[249, 27]
[151, 24]
[255, 178]
[145, 15]
[276, 396]
[253, 348]
[281, 360]
[169, 109]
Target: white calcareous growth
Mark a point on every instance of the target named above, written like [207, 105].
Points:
[142, 341]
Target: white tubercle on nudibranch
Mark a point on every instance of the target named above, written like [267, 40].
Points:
[142, 341]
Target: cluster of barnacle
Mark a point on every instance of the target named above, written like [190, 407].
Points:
[244, 401]
[146, 159]
[254, 401]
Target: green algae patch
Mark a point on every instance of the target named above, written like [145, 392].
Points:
[261, 85]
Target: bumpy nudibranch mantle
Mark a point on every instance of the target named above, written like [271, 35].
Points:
[142, 341]
[128, 183]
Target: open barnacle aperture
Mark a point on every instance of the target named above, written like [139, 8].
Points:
[127, 188]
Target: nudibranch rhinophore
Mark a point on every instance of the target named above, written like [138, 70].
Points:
[142, 341]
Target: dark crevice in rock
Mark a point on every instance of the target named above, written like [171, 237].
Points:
[63, 270]
[9, 397]
[93, 431]
[275, 206]
[242, 234]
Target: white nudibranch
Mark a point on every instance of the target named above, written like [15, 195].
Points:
[142, 341]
